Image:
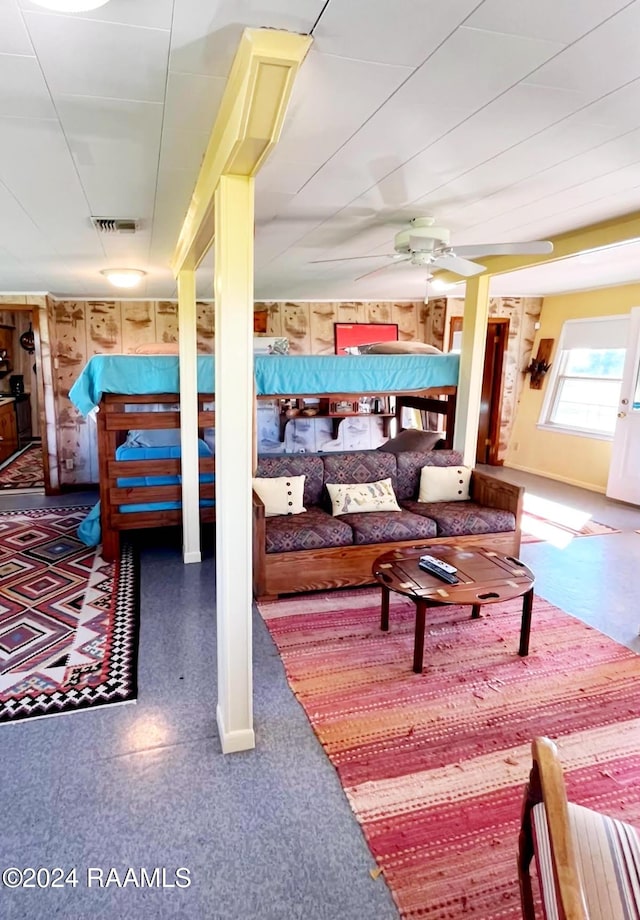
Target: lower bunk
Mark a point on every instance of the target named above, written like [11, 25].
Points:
[140, 464]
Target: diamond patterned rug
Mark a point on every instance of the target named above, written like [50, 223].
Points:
[25, 471]
[68, 619]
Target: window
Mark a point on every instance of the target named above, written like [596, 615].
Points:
[584, 386]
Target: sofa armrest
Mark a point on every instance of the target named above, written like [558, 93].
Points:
[259, 544]
[492, 492]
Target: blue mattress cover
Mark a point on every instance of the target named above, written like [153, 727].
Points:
[275, 375]
[127, 452]
[89, 530]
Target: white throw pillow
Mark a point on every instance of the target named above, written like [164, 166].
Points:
[362, 496]
[444, 483]
[281, 494]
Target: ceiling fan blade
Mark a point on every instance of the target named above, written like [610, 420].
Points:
[459, 266]
[380, 255]
[532, 248]
[383, 268]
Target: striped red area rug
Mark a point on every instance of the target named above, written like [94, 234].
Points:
[537, 529]
[434, 764]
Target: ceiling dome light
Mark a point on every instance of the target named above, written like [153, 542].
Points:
[123, 277]
[70, 6]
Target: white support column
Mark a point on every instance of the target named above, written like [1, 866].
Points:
[234, 428]
[474, 337]
[189, 416]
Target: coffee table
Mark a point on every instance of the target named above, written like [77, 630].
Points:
[486, 577]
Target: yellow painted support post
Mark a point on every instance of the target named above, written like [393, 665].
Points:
[474, 337]
[234, 456]
[247, 127]
[189, 416]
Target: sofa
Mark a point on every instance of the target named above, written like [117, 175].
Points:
[315, 550]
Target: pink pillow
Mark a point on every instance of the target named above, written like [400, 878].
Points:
[157, 348]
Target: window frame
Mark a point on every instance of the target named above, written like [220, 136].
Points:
[556, 375]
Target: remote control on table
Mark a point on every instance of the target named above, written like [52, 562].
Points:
[439, 568]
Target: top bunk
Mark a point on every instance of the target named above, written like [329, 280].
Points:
[275, 375]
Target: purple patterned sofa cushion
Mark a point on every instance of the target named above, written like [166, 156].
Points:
[296, 465]
[410, 463]
[314, 529]
[457, 519]
[360, 466]
[388, 526]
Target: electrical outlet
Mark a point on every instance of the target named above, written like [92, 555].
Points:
[515, 446]
[69, 463]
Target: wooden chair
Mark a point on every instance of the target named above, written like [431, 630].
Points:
[588, 863]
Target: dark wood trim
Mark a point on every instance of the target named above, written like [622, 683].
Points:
[488, 447]
[33, 309]
[489, 421]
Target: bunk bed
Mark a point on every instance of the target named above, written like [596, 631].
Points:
[427, 383]
[125, 387]
[138, 438]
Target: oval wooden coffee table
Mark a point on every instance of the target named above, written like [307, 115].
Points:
[485, 577]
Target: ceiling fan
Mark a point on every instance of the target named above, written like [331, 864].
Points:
[425, 244]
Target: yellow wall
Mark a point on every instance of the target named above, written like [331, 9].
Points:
[580, 461]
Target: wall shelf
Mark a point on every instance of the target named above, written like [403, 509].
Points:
[335, 406]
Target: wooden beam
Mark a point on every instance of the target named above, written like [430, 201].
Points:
[474, 337]
[248, 125]
[621, 229]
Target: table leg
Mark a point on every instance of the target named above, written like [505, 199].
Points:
[384, 615]
[475, 612]
[418, 646]
[525, 628]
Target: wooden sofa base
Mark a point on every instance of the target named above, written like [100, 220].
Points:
[350, 566]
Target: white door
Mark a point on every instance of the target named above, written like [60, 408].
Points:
[624, 472]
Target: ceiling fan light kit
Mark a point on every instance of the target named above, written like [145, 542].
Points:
[123, 277]
[421, 234]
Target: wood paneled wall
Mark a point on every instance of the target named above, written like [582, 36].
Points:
[523, 313]
[309, 325]
[82, 328]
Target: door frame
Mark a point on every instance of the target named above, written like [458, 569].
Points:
[35, 310]
[489, 422]
[623, 481]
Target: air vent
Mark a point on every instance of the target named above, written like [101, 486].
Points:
[115, 224]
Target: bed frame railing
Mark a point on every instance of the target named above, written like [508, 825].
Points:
[112, 425]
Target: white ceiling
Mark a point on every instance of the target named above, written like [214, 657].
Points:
[507, 120]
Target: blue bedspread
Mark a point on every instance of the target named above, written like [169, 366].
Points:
[275, 375]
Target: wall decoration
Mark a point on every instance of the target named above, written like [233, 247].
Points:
[350, 335]
[138, 313]
[539, 365]
[260, 318]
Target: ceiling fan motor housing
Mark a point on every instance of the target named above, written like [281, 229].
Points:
[423, 229]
